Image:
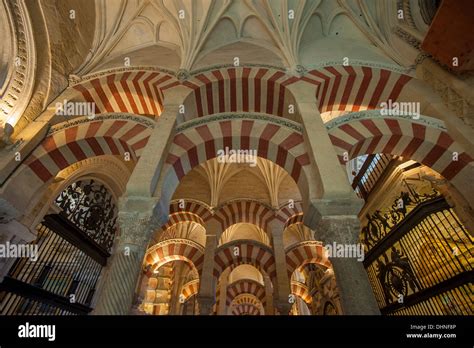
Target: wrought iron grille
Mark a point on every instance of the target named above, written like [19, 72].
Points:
[62, 280]
[419, 260]
[73, 247]
[90, 207]
[369, 173]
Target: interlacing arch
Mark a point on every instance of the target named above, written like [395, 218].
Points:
[424, 140]
[305, 252]
[176, 250]
[301, 290]
[243, 286]
[244, 251]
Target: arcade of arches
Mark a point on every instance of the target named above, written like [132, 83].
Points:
[235, 158]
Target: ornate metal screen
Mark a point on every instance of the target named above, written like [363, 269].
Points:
[419, 257]
[73, 247]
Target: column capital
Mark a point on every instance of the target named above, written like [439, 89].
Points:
[138, 218]
[205, 305]
[340, 229]
[339, 208]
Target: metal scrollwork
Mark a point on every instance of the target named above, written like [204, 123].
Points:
[91, 208]
[380, 223]
[396, 276]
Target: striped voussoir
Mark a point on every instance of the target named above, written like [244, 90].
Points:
[280, 144]
[431, 146]
[245, 286]
[244, 251]
[245, 309]
[243, 211]
[78, 142]
[248, 303]
[176, 250]
[302, 253]
[288, 211]
[354, 88]
[301, 290]
[135, 92]
[189, 289]
[240, 89]
[190, 206]
[182, 216]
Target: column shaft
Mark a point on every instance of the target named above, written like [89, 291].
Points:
[207, 291]
[356, 293]
[119, 289]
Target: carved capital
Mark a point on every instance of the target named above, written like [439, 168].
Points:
[136, 228]
[340, 229]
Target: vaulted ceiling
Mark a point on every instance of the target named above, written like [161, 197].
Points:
[193, 34]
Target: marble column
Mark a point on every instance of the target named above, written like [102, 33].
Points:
[118, 292]
[269, 310]
[207, 286]
[282, 286]
[222, 310]
[355, 291]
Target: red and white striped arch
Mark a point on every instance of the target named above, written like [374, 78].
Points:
[136, 92]
[290, 214]
[413, 139]
[189, 289]
[77, 142]
[246, 304]
[306, 252]
[249, 252]
[354, 88]
[239, 90]
[243, 211]
[245, 309]
[192, 207]
[301, 290]
[279, 144]
[245, 286]
[176, 250]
